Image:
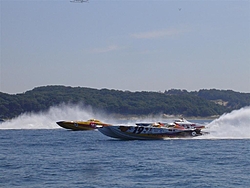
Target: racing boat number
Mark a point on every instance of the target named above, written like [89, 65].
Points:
[138, 130]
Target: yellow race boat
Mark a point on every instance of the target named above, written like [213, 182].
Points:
[91, 124]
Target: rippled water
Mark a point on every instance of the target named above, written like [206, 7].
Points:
[35, 152]
[61, 158]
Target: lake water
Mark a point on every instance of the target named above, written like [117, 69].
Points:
[33, 155]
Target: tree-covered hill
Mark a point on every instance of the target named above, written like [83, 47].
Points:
[228, 98]
[201, 103]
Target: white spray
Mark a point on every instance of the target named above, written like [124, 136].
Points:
[234, 125]
[47, 120]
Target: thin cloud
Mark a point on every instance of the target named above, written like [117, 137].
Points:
[159, 34]
[105, 49]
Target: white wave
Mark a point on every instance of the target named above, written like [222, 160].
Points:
[234, 125]
[47, 120]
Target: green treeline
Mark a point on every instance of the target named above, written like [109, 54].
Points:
[201, 103]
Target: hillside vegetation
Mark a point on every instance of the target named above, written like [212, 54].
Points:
[201, 103]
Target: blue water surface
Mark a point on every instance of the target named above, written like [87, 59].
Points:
[61, 158]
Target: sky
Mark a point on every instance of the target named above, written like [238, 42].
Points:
[135, 45]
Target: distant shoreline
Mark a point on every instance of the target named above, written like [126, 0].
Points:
[161, 116]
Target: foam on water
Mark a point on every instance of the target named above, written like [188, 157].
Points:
[234, 125]
[47, 120]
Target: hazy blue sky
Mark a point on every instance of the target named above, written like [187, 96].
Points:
[151, 45]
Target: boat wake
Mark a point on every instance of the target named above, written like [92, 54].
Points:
[47, 120]
[234, 125]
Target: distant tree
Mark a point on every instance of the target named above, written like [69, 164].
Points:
[202, 103]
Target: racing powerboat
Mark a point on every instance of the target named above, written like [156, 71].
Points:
[180, 128]
[90, 124]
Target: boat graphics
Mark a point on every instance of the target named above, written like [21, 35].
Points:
[90, 124]
[145, 131]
